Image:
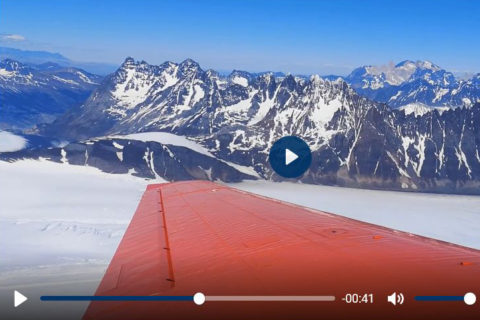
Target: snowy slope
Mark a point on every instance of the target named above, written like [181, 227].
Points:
[59, 228]
[11, 142]
[73, 201]
[419, 109]
[166, 138]
[182, 141]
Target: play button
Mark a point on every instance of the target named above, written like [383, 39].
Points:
[290, 157]
[18, 298]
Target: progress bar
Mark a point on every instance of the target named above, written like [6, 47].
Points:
[198, 298]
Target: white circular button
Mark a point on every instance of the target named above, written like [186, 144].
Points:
[469, 298]
[199, 298]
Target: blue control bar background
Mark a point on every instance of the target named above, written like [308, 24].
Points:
[116, 298]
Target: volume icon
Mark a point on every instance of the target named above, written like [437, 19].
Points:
[395, 298]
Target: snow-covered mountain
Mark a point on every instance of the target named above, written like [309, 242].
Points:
[355, 141]
[172, 159]
[180, 98]
[414, 82]
[37, 94]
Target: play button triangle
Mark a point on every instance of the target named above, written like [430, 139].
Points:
[289, 157]
[18, 298]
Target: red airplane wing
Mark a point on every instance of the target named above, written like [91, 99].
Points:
[189, 237]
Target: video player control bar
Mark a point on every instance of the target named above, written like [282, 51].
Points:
[199, 298]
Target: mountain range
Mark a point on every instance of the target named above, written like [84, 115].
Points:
[38, 94]
[414, 83]
[358, 137]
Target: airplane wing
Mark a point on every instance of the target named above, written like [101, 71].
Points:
[198, 236]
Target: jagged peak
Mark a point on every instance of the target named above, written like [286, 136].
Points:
[189, 67]
[128, 61]
[315, 78]
[168, 64]
[242, 73]
[212, 73]
[189, 63]
[289, 82]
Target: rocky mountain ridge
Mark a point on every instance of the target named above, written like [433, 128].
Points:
[355, 141]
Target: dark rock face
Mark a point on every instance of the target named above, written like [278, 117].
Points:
[355, 141]
[142, 159]
[35, 95]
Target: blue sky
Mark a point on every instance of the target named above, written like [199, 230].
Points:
[292, 36]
